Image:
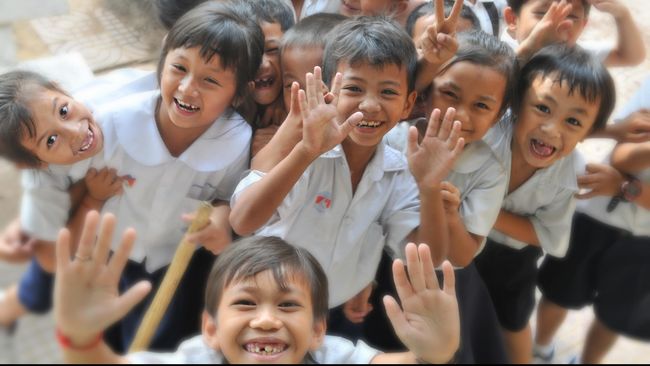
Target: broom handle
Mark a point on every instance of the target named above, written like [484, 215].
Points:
[170, 282]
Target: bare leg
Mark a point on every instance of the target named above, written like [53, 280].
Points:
[600, 340]
[550, 317]
[10, 307]
[519, 345]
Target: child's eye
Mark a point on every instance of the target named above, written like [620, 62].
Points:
[573, 122]
[51, 141]
[273, 50]
[542, 108]
[352, 88]
[212, 81]
[390, 92]
[243, 303]
[482, 106]
[289, 305]
[450, 94]
[63, 112]
[178, 67]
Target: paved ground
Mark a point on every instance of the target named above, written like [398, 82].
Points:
[34, 341]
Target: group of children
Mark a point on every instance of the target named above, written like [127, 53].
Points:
[328, 145]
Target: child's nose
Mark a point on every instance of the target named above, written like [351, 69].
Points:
[187, 86]
[265, 319]
[369, 105]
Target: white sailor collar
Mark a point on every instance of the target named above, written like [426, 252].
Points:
[473, 157]
[386, 159]
[136, 132]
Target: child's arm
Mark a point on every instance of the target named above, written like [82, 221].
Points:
[86, 299]
[551, 29]
[600, 180]
[428, 322]
[463, 245]
[631, 158]
[15, 246]
[634, 128]
[430, 162]
[517, 227]
[321, 132]
[630, 50]
[437, 44]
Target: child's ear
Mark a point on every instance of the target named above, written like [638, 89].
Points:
[409, 104]
[511, 20]
[320, 327]
[209, 331]
[400, 7]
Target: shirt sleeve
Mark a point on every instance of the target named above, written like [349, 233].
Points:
[337, 350]
[552, 223]
[45, 204]
[402, 213]
[191, 351]
[233, 175]
[480, 208]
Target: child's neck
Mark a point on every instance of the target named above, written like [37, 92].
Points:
[358, 158]
[520, 170]
[176, 139]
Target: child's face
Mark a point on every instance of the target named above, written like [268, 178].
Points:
[475, 91]
[258, 322]
[296, 63]
[533, 11]
[268, 81]
[551, 122]
[352, 8]
[66, 131]
[194, 92]
[380, 93]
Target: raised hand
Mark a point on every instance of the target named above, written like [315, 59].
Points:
[86, 298]
[431, 160]
[553, 28]
[614, 7]
[634, 128]
[428, 322]
[217, 234]
[600, 180]
[438, 43]
[322, 129]
[103, 184]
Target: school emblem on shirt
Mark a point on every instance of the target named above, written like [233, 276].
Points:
[323, 201]
[129, 179]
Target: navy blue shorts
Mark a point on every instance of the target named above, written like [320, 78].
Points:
[35, 289]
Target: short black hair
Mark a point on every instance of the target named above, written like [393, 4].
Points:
[169, 11]
[428, 8]
[249, 256]
[311, 31]
[227, 29]
[16, 119]
[273, 11]
[377, 41]
[576, 67]
[483, 49]
[516, 5]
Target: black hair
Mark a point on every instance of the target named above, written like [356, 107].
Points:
[516, 5]
[483, 49]
[428, 8]
[249, 256]
[311, 31]
[578, 69]
[377, 41]
[169, 11]
[226, 29]
[273, 11]
[16, 119]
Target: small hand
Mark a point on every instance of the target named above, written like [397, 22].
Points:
[358, 307]
[86, 298]
[103, 184]
[450, 198]
[217, 234]
[552, 28]
[613, 7]
[273, 114]
[634, 128]
[600, 180]
[15, 245]
[428, 322]
[438, 43]
[431, 160]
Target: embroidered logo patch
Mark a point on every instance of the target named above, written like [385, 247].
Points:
[323, 201]
[129, 180]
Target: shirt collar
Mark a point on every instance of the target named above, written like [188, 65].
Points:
[386, 159]
[474, 156]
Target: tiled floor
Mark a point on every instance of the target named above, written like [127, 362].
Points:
[34, 339]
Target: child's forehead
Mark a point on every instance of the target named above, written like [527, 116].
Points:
[366, 69]
[576, 4]
[288, 281]
[551, 87]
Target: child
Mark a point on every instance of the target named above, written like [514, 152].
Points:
[562, 95]
[360, 193]
[489, 13]
[533, 24]
[304, 8]
[607, 257]
[424, 15]
[396, 9]
[164, 143]
[266, 302]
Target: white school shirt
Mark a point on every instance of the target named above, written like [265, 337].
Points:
[483, 16]
[597, 49]
[334, 350]
[159, 188]
[627, 215]
[346, 233]
[546, 199]
[479, 176]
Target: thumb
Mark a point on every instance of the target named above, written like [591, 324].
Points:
[131, 298]
[188, 217]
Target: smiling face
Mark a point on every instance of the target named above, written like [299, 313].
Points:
[380, 93]
[66, 131]
[194, 92]
[533, 11]
[296, 63]
[259, 322]
[551, 122]
[475, 91]
[268, 81]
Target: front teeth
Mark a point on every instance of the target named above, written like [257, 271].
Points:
[187, 106]
[89, 141]
[262, 83]
[264, 350]
[372, 124]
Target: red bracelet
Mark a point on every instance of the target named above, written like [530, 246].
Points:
[66, 342]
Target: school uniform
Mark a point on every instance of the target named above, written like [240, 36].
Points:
[508, 266]
[489, 14]
[607, 262]
[334, 350]
[159, 188]
[346, 231]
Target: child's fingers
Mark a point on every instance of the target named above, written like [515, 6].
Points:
[395, 315]
[414, 268]
[447, 124]
[304, 108]
[440, 11]
[100, 255]
[336, 88]
[87, 241]
[434, 124]
[121, 256]
[454, 135]
[449, 285]
[586, 195]
[346, 127]
[312, 101]
[131, 298]
[402, 284]
[294, 104]
[455, 14]
[430, 279]
[91, 173]
[412, 141]
[318, 85]
[63, 249]
[460, 144]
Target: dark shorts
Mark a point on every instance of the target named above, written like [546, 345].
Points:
[510, 276]
[572, 281]
[35, 289]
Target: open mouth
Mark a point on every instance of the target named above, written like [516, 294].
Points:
[88, 141]
[187, 107]
[265, 349]
[542, 149]
[369, 124]
[265, 82]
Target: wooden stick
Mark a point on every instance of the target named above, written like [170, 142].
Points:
[170, 282]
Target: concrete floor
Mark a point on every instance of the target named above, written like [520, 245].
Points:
[34, 340]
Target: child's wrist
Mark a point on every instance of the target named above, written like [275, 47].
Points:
[92, 202]
[78, 343]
